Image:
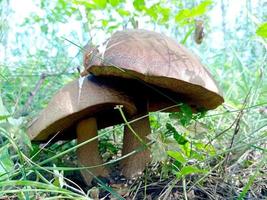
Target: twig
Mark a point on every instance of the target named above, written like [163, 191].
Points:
[237, 126]
[32, 95]
[236, 121]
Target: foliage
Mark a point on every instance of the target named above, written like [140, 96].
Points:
[42, 51]
[262, 30]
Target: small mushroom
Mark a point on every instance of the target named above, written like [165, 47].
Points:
[78, 110]
[161, 64]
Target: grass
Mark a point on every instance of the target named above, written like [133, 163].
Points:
[221, 155]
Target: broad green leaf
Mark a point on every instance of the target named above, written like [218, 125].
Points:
[262, 30]
[177, 156]
[139, 4]
[186, 170]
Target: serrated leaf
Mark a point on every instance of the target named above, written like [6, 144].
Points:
[177, 156]
[262, 30]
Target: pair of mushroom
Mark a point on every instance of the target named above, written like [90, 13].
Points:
[141, 70]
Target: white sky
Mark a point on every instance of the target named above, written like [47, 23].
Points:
[23, 9]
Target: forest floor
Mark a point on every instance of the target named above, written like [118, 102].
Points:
[225, 182]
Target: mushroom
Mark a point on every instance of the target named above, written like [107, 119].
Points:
[79, 109]
[161, 64]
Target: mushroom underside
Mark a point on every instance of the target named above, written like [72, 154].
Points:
[79, 111]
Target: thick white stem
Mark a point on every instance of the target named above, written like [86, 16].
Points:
[134, 165]
[88, 154]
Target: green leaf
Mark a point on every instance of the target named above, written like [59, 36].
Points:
[123, 13]
[154, 123]
[56, 182]
[158, 13]
[165, 12]
[182, 15]
[185, 115]
[114, 3]
[101, 4]
[85, 3]
[178, 137]
[185, 16]
[104, 22]
[201, 8]
[177, 156]
[262, 30]
[139, 4]
[152, 12]
[3, 117]
[186, 170]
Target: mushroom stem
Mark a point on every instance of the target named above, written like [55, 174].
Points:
[88, 154]
[134, 165]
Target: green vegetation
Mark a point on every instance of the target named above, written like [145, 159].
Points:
[221, 154]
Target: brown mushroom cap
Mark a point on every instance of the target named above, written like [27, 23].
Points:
[158, 60]
[71, 104]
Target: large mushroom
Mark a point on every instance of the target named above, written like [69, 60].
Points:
[166, 68]
[79, 109]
